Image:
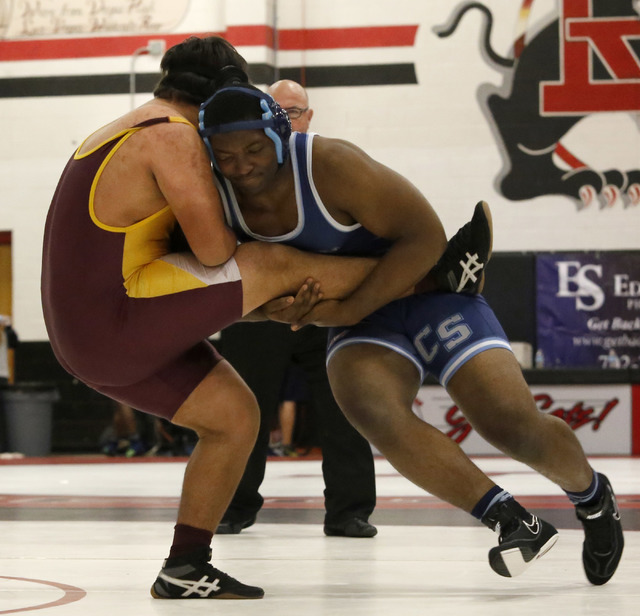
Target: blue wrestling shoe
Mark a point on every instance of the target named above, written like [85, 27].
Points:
[603, 540]
[194, 577]
[461, 268]
[523, 539]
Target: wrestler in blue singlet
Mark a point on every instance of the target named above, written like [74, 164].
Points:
[438, 332]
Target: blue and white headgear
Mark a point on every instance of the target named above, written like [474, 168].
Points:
[274, 121]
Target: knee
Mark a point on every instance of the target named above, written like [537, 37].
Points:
[360, 410]
[237, 423]
[357, 415]
[244, 421]
[508, 436]
[376, 422]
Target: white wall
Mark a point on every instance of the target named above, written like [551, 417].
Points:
[434, 132]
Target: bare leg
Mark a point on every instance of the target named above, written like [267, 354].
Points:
[375, 387]
[225, 415]
[287, 417]
[124, 421]
[272, 270]
[495, 398]
[377, 395]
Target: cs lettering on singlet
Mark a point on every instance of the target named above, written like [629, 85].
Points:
[449, 333]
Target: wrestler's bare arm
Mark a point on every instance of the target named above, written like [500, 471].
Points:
[359, 189]
[182, 170]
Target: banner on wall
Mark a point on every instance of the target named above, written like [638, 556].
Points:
[600, 415]
[30, 18]
[588, 309]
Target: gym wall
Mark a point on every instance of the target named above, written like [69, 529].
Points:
[461, 125]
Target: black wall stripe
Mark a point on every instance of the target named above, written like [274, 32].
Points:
[312, 76]
[369, 75]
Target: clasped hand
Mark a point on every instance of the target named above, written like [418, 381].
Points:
[308, 307]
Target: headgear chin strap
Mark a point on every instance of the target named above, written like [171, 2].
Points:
[274, 122]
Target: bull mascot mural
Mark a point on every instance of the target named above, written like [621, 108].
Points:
[586, 61]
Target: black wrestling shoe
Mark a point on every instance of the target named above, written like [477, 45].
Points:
[603, 540]
[194, 577]
[233, 527]
[355, 527]
[462, 266]
[523, 538]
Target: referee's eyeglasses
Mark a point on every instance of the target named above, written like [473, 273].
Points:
[295, 112]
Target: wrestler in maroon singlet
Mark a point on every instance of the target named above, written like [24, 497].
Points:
[123, 314]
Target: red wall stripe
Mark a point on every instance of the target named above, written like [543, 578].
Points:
[344, 38]
[249, 36]
[94, 47]
[259, 35]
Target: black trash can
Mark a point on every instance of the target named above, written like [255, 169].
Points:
[28, 415]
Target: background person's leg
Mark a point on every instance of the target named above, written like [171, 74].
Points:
[347, 459]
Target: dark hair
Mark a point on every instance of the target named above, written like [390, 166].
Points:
[191, 69]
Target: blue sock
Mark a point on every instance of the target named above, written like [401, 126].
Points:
[493, 496]
[590, 496]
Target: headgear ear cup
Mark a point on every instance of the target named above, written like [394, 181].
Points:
[274, 122]
[205, 138]
[267, 115]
